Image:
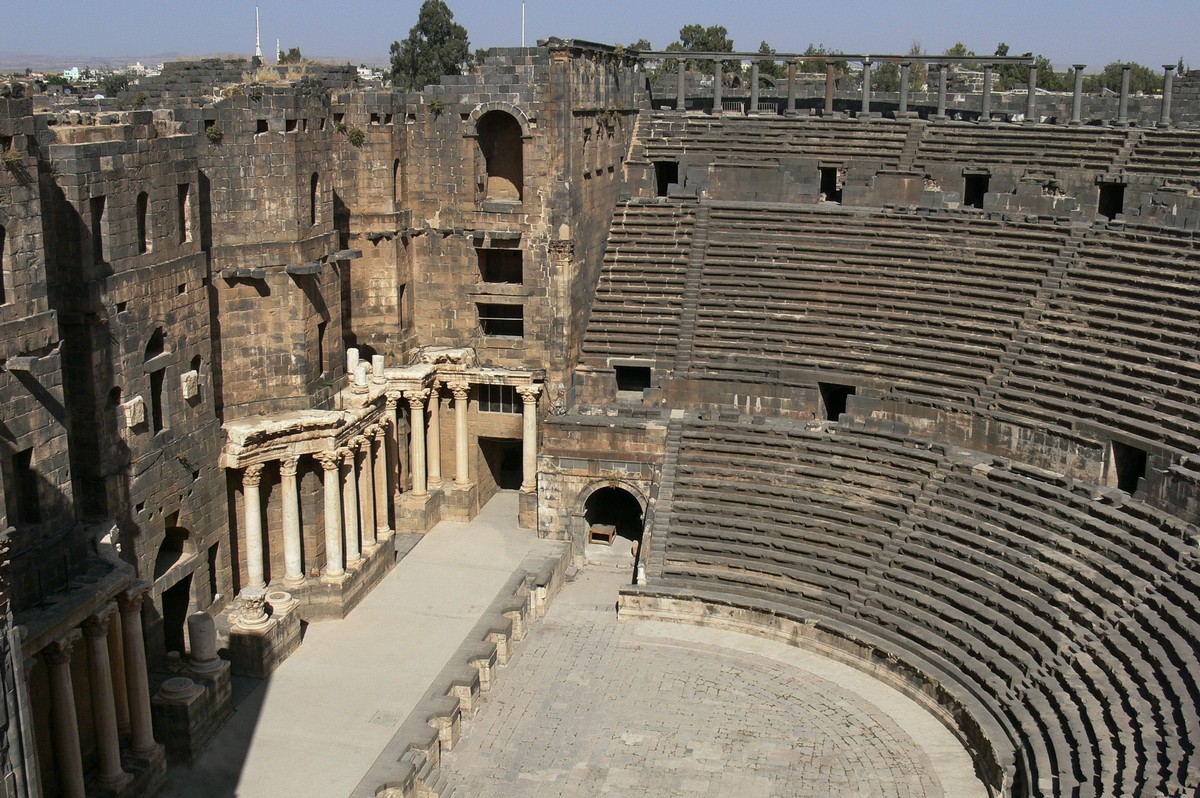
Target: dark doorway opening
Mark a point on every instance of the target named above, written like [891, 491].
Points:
[834, 397]
[974, 187]
[829, 184]
[1129, 462]
[1112, 200]
[665, 173]
[175, 612]
[503, 458]
[172, 548]
[614, 517]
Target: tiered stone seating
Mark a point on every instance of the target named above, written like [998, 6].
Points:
[668, 137]
[1167, 153]
[1038, 147]
[1119, 345]
[1069, 612]
[923, 305]
[638, 298]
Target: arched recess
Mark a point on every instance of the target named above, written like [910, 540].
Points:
[619, 504]
[501, 140]
[156, 370]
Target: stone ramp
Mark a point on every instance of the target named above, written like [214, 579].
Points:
[321, 721]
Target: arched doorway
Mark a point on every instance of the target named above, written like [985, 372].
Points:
[499, 136]
[614, 519]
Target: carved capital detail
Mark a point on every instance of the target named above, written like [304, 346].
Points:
[289, 465]
[252, 475]
[96, 625]
[329, 460]
[416, 399]
[529, 393]
[59, 652]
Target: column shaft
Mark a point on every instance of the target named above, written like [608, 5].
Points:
[681, 88]
[718, 77]
[433, 453]
[462, 478]
[104, 710]
[366, 491]
[791, 78]
[382, 493]
[942, 76]
[1031, 117]
[1123, 106]
[116, 664]
[416, 425]
[255, 571]
[293, 559]
[1077, 97]
[137, 681]
[67, 751]
[866, 86]
[754, 88]
[985, 112]
[830, 83]
[1164, 115]
[904, 67]
[350, 506]
[529, 395]
[333, 513]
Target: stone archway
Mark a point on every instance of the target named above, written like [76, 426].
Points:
[614, 512]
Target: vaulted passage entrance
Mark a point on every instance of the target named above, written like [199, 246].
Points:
[614, 517]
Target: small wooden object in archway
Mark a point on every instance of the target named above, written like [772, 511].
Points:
[602, 533]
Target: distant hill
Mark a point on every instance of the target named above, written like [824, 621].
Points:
[40, 62]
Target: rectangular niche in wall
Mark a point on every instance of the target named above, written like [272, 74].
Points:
[502, 320]
[500, 265]
[833, 398]
[665, 173]
[975, 186]
[831, 186]
[1112, 200]
[632, 379]
[1126, 466]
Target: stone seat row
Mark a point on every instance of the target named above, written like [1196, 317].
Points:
[1064, 147]
[1026, 588]
[1166, 152]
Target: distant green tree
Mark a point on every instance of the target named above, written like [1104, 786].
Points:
[1142, 79]
[291, 56]
[885, 76]
[58, 80]
[640, 44]
[697, 38]
[773, 69]
[812, 61]
[436, 46]
[113, 84]
[959, 50]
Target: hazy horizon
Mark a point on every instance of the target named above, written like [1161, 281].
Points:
[1070, 31]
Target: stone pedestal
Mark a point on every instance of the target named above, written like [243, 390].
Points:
[462, 503]
[527, 512]
[326, 600]
[258, 641]
[419, 513]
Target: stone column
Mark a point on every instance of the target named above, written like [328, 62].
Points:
[1031, 117]
[293, 559]
[462, 479]
[943, 74]
[529, 397]
[718, 76]
[791, 101]
[433, 452]
[251, 476]
[333, 514]
[136, 678]
[1164, 115]
[754, 88]
[681, 88]
[416, 406]
[383, 527]
[350, 505]
[395, 457]
[104, 711]
[1077, 98]
[116, 666]
[366, 488]
[67, 752]
[985, 113]
[866, 86]
[904, 67]
[1123, 106]
[830, 83]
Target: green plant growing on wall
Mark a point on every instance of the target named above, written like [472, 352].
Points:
[356, 136]
[437, 108]
[214, 133]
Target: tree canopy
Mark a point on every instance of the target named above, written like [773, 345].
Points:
[436, 46]
[697, 38]
[291, 56]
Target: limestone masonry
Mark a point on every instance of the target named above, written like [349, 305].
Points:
[910, 380]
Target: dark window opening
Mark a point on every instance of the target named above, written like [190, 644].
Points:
[157, 404]
[396, 180]
[833, 397]
[375, 118]
[1112, 199]
[321, 326]
[400, 305]
[974, 187]
[183, 205]
[632, 378]
[173, 545]
[499, 399]
[505, 320]
[665, 173]
[156, 345]
[143, 226]
[213, 588]
[26, 509]
[314, 184]
[501, 145]
[1129, 463]
[830, 186]
[289, 125]
[503, 459]
[500, 265]
[3, 298]
[96, 206]
[387, 119]
[261, 126]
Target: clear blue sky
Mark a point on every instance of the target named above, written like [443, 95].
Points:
[1095, 32]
